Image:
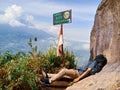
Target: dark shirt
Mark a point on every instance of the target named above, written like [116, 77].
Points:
[93, 65]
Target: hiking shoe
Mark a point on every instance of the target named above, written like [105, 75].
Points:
[45, 81]
[45, 75]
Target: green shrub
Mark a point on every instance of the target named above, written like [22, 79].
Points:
[56, 62]
[22, 71]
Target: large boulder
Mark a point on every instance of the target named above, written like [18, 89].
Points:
[107, 79]
[104, 39]
[105, 35]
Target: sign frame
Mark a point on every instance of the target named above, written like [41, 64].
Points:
[62, 17]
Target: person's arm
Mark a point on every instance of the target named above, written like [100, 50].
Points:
[83, 75]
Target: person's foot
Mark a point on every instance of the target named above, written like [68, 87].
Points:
[45, 81]
[45, 75]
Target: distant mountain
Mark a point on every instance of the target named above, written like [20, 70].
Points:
[16, 38]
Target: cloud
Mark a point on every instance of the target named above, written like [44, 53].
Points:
[14, 16]
[29, 18]
[15, 23]
[77, 34]
[86, 46]
[13, 12]
[54, 29]
[33, 23]
[81, 12]
[11, 16]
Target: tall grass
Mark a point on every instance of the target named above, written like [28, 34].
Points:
[22, 71]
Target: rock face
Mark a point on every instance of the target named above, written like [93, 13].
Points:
[105, 35]
[107, 79]
[105, 39]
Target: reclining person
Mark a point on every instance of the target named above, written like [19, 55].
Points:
[94, 66]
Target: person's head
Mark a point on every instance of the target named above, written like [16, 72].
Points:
[101, 60]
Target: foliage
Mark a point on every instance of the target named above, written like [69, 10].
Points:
[53, 63]
[22, 71]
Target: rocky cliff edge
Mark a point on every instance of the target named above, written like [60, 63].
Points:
[104, 39]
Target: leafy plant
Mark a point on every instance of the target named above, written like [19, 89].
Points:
[22, 71]
[33, 48]
[56, 62]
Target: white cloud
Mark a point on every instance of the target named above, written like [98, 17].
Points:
[29, 18]
[81, 12]
[11, 16]
[45, 8]
[86, 46]
[77, 34]
[14, 14]
[15, 23]
[54, 29]
[40, 25]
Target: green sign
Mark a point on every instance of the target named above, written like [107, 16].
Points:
[62, 17]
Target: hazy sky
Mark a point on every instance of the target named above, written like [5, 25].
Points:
[39, 14]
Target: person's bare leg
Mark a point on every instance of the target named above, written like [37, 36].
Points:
[48, 74]
[64, 72]
[52, 75]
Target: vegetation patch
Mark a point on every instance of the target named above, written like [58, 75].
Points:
[22, 71]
